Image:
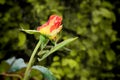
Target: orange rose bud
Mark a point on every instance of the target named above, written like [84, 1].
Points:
[52, 27]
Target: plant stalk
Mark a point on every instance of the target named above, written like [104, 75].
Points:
[27, 72]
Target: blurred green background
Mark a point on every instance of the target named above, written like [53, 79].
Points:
[96, 23]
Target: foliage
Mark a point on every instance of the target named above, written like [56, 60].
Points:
[13, 69]
[90, 57]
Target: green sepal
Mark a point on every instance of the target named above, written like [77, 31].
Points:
[30, 31]
[44, 40]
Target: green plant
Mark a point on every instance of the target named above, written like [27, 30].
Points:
[48, 31]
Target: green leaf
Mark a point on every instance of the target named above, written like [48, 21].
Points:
[36, 74]
[105, 12]
[58, 46]
[10, 60]
[2, 1]
[70, 62]
[107, 4]
[110, 55]
[4, 67]
[46, 73]
[16, 64]
[22, 39]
